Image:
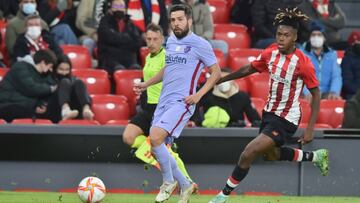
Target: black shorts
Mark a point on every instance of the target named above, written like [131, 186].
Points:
[144, 117]
[277, 128]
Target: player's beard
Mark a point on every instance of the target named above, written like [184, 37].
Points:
[183, 33]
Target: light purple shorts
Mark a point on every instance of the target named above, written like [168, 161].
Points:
[173, 117]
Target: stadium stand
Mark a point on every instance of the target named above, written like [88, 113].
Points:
[118, 122]
[29, 121]
[241, 57]
[110, 107]
[331, 112]
[235, 35]
[79, 56]
[3, 72]
[259, 85]
[96, 81]
[124, 80]
[219, 11]
[79, 122]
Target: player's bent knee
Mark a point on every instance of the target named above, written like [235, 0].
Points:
[155, 140]
[249, 154]
[157, 136]
[128, 136]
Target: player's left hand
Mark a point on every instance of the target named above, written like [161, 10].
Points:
[306, 138]
[192, 99]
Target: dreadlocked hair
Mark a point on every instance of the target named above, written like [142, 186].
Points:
[290, 16]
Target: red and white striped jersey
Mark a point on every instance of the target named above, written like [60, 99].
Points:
[288, 74]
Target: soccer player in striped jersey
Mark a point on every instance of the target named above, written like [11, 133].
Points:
[186, 55]
[289, 70]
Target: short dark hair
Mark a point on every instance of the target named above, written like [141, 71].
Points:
[45, 55]
[31, 17]
[155, 28]
[181, 7]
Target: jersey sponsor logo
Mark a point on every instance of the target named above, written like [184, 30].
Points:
[175, 59]
[278, 78]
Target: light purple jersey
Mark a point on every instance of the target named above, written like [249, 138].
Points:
[185, 58]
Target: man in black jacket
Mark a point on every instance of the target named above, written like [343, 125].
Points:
[119, 40]
[263, 13]
[352, 112]
[34, 39]
[27, 87]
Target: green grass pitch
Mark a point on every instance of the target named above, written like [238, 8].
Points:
[49, 197]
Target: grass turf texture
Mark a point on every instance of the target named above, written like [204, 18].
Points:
[49, 197]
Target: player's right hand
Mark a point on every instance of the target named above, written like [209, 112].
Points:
[139, 87]
[306, 138]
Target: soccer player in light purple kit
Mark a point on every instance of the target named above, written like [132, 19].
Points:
[186, 55]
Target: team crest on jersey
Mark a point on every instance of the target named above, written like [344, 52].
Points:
[187, 49]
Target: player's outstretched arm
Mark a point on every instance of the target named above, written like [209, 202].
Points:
[315, 106]
[140, 87]
[240, 73]
[215, 74]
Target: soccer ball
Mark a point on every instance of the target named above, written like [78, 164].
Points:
[91, 190]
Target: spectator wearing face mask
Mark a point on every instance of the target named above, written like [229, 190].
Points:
[27, 89]
[34, 39]
[350, 66]
[225, 106]
[324, 60]
[74, 100]
[119, 40]
[16, 26]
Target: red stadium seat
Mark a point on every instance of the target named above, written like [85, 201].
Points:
[240, 57]
[29, 121]
[331, 112]
[3, 48]
[118, 122]
[109, 107]
[317, 126]
[230, 4]
[305, 111]
[96, 53]
[3, 72]
[79, 122]
[220, 58]
[124, 81]
[235, 35]
[340, 55]
[258, 104]
[2, 121]
[144, 51]
[220, 11]
[243, 84]
[259, 85]
[79, 56]
[96, 80]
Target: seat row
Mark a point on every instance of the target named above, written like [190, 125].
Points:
[115, 110]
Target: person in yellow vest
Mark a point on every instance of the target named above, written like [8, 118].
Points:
[135, 133]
